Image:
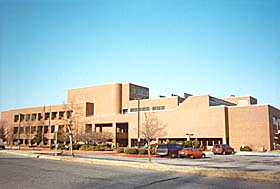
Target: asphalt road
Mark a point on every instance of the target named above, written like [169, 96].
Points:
[18, 172]
[231, 162]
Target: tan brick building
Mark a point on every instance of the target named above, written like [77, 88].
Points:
[114, 108]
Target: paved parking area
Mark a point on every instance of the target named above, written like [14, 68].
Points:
[234, 162]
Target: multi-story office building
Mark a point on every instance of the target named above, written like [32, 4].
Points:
[114, 108]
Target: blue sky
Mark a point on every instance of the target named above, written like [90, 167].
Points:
[213, 47]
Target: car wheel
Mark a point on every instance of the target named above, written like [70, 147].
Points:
[224, 153]
[191, 156]
[172, 155]
[232, 152]
[203, 156]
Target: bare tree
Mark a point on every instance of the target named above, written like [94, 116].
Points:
[151, 129]
[3, 127]
[72, 121]
[93, 137]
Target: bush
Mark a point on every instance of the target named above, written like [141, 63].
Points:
[202, 147]
[245, 148]
[120, 149]
[86, 147]
[173, 142]
[153, 151]
[187, 143]
[61, 147]
[196, 144]
[131, 150]
[106, 148]
[76, 146]
[142, 151]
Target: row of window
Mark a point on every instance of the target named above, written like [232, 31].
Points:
[40, 116]
[145, 109]
[274, 120]
[34, 129]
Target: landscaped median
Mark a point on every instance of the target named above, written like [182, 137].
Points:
[209, 172]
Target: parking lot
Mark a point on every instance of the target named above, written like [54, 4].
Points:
[234, 162]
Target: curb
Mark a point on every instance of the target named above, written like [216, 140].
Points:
[198, 171]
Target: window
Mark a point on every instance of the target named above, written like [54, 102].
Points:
[60, 115]
[39, 116]
[52, 128]
[15, 130]
[21, 130]
[88, 128]
[46, 129]
[125, 111]
[69, 114]
[27, 130]
[21, 117]
[133, 109]
[139, 91]
[159, 108]
[16, 118]
[274, 120]
[47, 116]
[27, 117]
[140, 109]
[54, 115]
[33, 129]
[89, 109]
[33, 117]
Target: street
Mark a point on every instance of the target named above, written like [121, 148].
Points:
[232, 162]
[18, 172]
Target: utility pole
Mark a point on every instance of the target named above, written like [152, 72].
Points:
[138, 109]
[19, 130]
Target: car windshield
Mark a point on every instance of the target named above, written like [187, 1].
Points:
[162, 146]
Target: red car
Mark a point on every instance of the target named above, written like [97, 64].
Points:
[191, 152]
[222, 149]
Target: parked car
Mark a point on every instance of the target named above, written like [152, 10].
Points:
[191, 153]
[222, 149]
[2, 147]
[170, 150]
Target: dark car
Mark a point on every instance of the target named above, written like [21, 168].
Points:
[222, 149]
[2, 147]
[170, 150]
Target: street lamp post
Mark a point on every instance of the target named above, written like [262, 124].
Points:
[138, 109]
[19, 130]
[189, 136]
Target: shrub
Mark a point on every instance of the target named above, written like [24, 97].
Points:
[245, 148]
[187, 143]
[173, 142]
[76, 146]
[106, 148]
[61, 147]
[131, 150]
[120, 149]
[202, 147]
[86, 147]
[196, 144]
[142, 151]
[153, 151]
[98, 148]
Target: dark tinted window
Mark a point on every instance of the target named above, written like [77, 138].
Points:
[162, 146]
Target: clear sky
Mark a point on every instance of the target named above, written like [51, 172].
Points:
[215, 47]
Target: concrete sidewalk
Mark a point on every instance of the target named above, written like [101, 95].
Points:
[200, 171]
